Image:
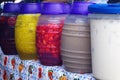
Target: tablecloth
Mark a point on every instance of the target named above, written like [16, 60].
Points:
[13, 68]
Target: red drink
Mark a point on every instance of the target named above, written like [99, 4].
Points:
[48, 44]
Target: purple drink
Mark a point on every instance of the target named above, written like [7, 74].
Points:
[7, 25]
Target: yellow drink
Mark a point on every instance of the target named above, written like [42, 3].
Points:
[25, 35]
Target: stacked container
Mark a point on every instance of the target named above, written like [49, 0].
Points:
[25, 30]
[7, 25]
[49, 32]
[105, 41]
[75, 41]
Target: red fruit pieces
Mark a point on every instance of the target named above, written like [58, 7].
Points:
[3, 19]
[11, 21]
[48, 39]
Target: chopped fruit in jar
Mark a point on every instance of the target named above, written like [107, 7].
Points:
[48, 41]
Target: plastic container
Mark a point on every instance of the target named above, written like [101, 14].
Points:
[7, 26]
[75, 42]
[99, 1]
[105, 41]
[25, 30]
[49, 32]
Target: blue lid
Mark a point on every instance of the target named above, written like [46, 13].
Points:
[30, 8]
[55, 8]
[105, 8]
[11, 8]
[80, 8]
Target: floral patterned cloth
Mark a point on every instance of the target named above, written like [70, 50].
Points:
[12, 68]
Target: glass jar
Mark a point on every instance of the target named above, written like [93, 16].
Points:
[7, 26]
[49, 32]
[25, 30]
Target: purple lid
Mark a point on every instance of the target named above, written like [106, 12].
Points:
[11, 8]
[80, 8]
[55, 8]
[30, 8]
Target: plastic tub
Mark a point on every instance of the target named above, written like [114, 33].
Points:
[105, 40]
